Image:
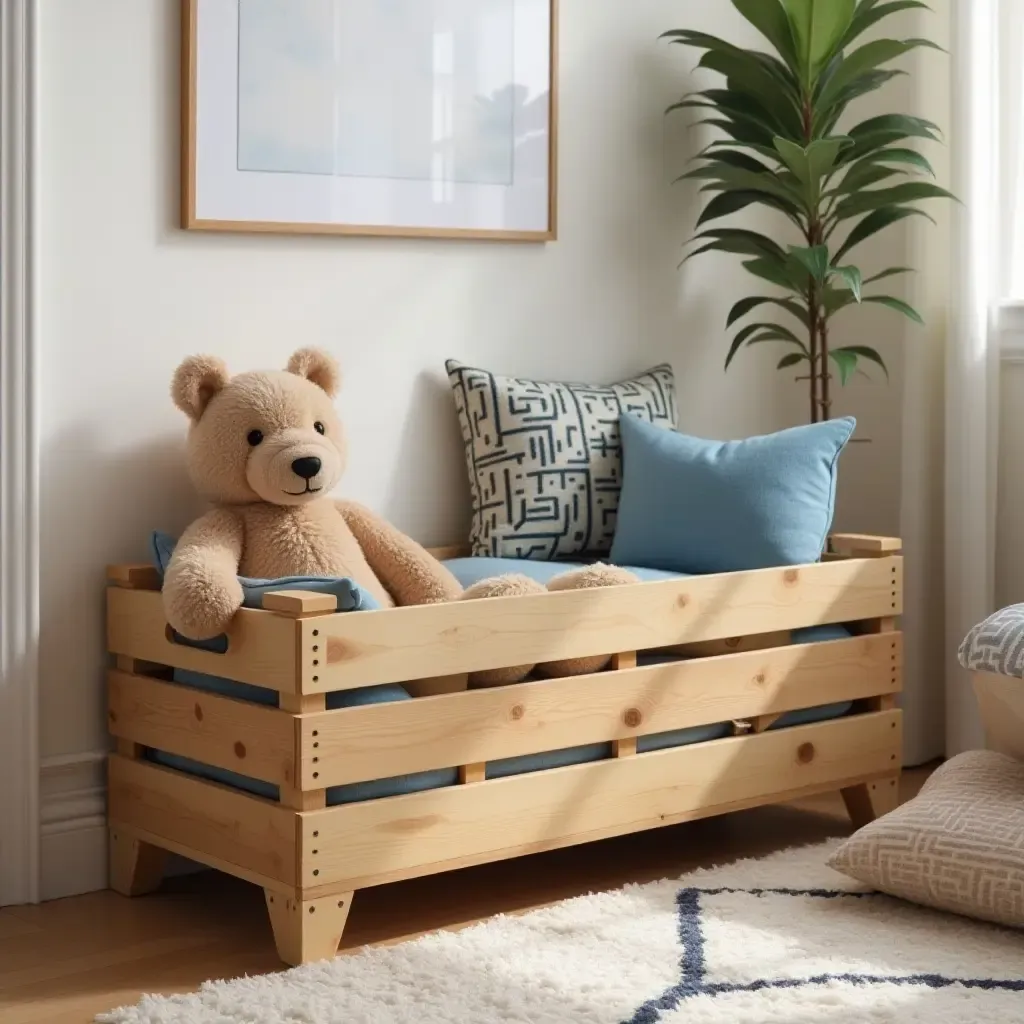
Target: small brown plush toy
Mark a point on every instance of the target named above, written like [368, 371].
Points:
[266, 448]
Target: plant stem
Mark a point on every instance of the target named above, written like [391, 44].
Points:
[826, 401]
[812, 329]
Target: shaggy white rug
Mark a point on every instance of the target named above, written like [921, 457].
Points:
[784, 940]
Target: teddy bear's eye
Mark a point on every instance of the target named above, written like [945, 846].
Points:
[319, 427]
[255, 437]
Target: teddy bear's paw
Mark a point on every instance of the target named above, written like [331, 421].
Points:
[512, 585]
[587, 578]
[201, 608]
[596, 575]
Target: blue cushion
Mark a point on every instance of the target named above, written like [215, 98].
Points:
[698, 506]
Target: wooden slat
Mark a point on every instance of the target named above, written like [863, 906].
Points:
[242, 737]
[261, 645]
[301, 704]
[134, 577]
[226, 827]
[384, 840]
[864, 544]
[444, 639]
[356, 744]
[472, 773]
[300, 602]
[201, 857]
[303, 799]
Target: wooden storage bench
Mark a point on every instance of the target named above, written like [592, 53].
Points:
[733, 661]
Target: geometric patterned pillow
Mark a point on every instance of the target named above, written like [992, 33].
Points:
[545, 458]
[957, 846]
[997, 644]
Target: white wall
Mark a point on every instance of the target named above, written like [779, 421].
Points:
[126, 294]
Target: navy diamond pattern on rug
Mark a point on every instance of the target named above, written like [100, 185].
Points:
[693, 981]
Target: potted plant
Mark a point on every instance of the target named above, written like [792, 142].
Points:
[778, 112]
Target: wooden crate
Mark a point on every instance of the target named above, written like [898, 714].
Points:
[740, 667]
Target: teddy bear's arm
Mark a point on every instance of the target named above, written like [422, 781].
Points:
[201, 590]
[409, 572]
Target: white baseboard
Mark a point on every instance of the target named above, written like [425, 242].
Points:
[73, 818]
[73, 842]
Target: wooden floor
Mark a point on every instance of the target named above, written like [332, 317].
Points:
[63, 962]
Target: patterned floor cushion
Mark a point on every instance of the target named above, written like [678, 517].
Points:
[997, 644]
[957, 846]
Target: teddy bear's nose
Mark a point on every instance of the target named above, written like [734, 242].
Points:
[306, 467]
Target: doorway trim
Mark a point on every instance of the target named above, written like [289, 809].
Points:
[19, 453]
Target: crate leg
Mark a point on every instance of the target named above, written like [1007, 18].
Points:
[307, 930]
[871, 800]
[136, 868]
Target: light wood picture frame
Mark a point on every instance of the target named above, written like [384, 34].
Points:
[465, 146]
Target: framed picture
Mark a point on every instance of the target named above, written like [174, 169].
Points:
[428, 118]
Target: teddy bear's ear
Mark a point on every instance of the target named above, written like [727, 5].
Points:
[317, 366]
[196, 381]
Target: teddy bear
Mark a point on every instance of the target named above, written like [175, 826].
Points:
[266, 449]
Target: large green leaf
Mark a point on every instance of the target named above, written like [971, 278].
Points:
[741, 130]
[888, 272]
[861, 61]
[737, 342]
[736, 241]
[866, 352]
[818, 26]
[731, 202]
[862, 175]
[880, 132]
[755, 334]
[745, 306]
[769, 18]
[851, 276]
[876, 199]
[898, 304]
[811, 163]
[826, 117]
[746, 111]
[904, 156]
[836, 299]
[738, 179]
[745, 241]
[713, 44]
[886, 157]
[875, 222]
[776, 272]
[713, 148]
[735, 158]
[869, 15]
[756, 81]
[791, 359]
[846, 362]
[913, 126]
[813, 259]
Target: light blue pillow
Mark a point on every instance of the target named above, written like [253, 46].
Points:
[697, 506]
